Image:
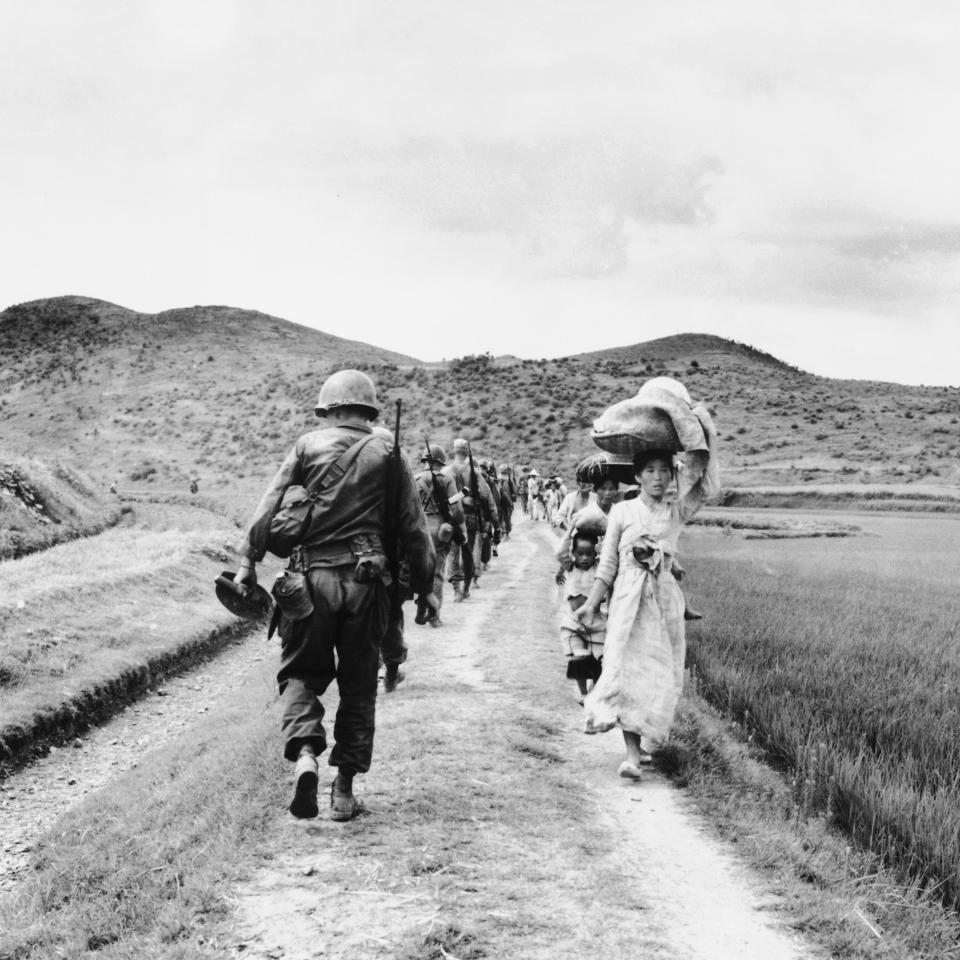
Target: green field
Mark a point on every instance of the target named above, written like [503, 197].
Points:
[841, 657]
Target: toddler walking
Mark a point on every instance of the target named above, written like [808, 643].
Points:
[582, 640]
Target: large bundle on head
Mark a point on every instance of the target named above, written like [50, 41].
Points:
[659, 417]
[606, 466]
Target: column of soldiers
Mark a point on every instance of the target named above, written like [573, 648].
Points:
[339, 610]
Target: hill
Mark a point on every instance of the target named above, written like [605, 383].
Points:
[218, 393]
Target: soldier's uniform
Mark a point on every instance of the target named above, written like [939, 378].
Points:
[432, 483]
[459, 472]
[341, 638]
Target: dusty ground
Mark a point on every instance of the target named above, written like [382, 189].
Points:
[679, 894]
[318, 897]
[32, 799]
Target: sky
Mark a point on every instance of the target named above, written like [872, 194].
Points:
[532, 177]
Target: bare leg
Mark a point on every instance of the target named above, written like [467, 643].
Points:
[630, 768]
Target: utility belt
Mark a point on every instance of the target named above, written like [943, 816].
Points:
[291, 589]
[366, 550]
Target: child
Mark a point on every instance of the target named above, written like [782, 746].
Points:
[582, 639]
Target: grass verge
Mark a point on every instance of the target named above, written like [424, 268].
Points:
[837, 893]
[87, 626]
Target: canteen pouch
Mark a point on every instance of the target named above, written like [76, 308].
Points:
[445, 533]
[292, 594]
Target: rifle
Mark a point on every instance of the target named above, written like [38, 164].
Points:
[483, 513]
[392, 545]
[443, 504]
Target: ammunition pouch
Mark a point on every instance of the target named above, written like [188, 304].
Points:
[370, 567]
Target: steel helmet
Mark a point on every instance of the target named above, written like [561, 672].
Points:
[348, 388]
[437, 455]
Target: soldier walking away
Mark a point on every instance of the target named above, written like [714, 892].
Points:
[477, 504]
[335, 628]
[508, 497]
[441, 501]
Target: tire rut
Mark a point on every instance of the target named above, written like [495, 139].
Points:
[33, 798]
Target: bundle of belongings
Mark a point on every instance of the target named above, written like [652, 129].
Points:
[660, 417]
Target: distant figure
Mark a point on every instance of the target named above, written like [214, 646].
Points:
[113, 486]
[194, 484]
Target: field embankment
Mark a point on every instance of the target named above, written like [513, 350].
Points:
[868, 498]
[841, 657]
[45, 504]
[89, 625]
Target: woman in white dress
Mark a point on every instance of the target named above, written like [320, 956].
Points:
[646, 643]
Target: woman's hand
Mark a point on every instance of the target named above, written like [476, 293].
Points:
[585, 610]
[561, 578]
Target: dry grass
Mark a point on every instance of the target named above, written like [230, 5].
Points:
[85, 616]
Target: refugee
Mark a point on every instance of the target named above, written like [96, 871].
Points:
[552, 501]
[645, 642]
[581, 639]
[535, 495]
[593, 517]
[577, 499]
[522, 493]
[342, 556]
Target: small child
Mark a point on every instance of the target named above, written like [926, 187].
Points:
[582, 640]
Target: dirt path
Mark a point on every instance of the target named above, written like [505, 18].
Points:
[33, 798]
[332, 891]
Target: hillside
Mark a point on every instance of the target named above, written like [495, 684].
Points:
[151, 400]
[42, 504]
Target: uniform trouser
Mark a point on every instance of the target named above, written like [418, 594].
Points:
[443, 550]
[456, 569]
[340, 640]
[393, 650]
[486, 546]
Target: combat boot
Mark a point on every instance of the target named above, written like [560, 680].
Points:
[392, 677]
[343, 805]
[304, 802]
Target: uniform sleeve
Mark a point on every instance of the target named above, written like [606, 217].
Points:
[289, 474]
[610, 557]
[486, 495]
[412, 525]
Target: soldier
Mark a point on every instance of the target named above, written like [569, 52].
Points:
[459, 471]
[508, 497]
[441, 501]
[344, 465]
[493, 526]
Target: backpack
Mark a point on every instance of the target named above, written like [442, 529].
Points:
[291, 523]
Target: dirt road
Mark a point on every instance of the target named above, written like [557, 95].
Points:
[644, 875]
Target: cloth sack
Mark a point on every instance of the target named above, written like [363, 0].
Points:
[660, 417]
